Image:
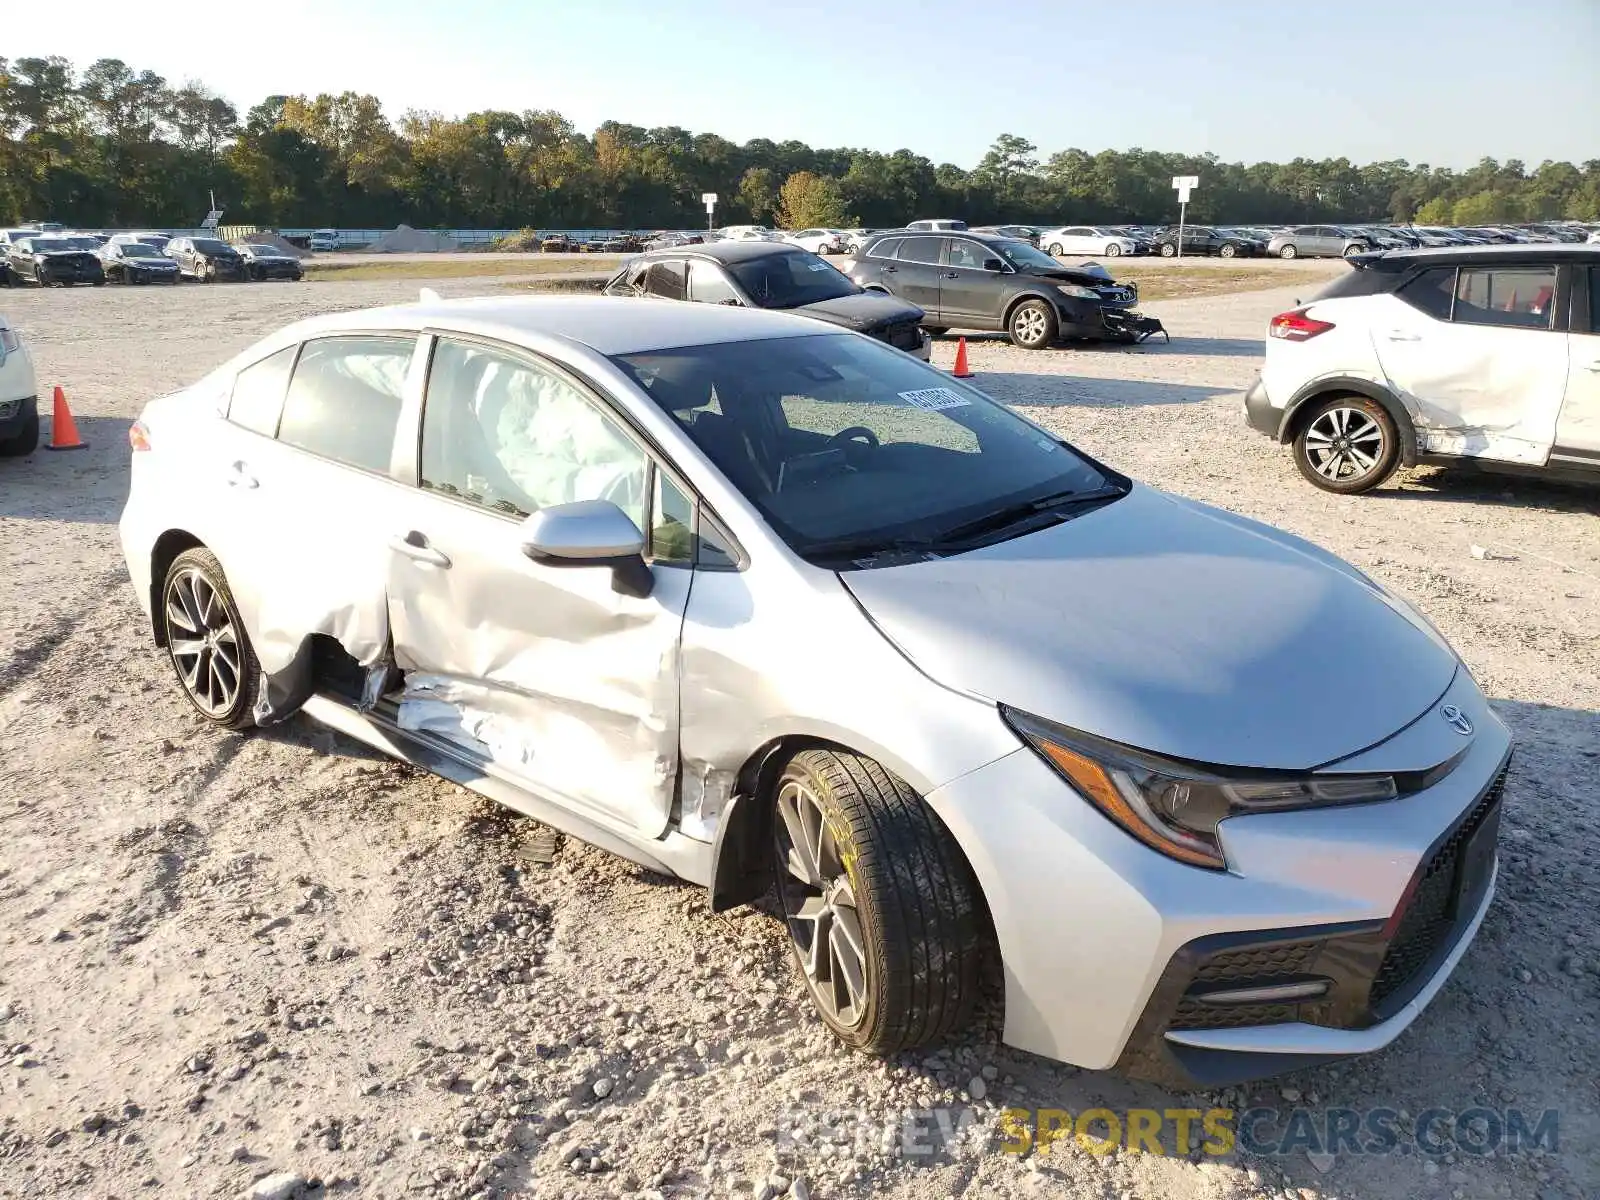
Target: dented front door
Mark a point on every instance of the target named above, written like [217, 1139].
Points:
[548, 671]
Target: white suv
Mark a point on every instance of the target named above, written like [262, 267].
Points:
[1488, 355]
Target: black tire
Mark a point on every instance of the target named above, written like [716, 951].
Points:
[919, 911]
[1227, 250]
[1352, 251]
[937, 330]
[1168, 250]
[1331, 436]
[1033, 325]
[1113, 250]
[25, 442]
[237, 713]
[1288, 251]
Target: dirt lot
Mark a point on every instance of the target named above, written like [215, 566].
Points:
[223, 958]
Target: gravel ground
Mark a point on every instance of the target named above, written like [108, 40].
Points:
[277, 965]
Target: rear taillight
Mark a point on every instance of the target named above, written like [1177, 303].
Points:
[139, 435]
[1295, 326]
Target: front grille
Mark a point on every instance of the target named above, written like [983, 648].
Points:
[1433, 915]
[1191, 1014]
[906, 335]
[1258, 964]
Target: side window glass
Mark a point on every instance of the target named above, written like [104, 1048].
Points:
[665, 279]
[920, 249]
[1521, 297]
[515, 437]
[671, 525]
[885, 248]
[1431, 292]
[1594, 299]
[344, 399]
[965, 254]
[709, 285]
[258, 392]
[715, 549]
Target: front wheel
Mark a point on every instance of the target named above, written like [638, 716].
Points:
[1227, 250]
[1113, 250]
[1348, 445]
[1033, 325]
[206, 641]
[1168, 250]
[883, 912]
[1055, 250]
[1352, 251]
[1287, 252]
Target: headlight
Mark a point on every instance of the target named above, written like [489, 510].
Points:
[1076, 292]
[1173, 806]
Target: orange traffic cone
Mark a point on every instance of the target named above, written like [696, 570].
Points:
[961, 371]
[63, 429]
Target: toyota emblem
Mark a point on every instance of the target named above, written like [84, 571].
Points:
[1456, 719]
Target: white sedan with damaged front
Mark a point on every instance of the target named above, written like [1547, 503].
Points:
[773, 606]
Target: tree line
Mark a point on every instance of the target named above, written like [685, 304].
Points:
[112, 146]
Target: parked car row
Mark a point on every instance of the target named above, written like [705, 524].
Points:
[66, 259]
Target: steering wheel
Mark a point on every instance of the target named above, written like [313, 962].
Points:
[856, 433]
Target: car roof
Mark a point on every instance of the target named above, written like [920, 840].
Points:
[607, 325]
[724, 251]
[977, 235]
[1561, 250]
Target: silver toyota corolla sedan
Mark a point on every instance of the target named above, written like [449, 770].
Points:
[769, 607]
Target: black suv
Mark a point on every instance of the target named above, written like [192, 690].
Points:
[771, 275]
[973, 280]
[207, 259]
[1198, 239]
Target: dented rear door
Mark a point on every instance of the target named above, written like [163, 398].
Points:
[547, 671]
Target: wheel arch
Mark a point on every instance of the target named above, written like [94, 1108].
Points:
[167, 548]
[1022, 297]
[1298, 410]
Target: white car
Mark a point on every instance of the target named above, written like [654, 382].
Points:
[818, 241]
[1482, 354]
[746, 233]
[324, 240]
[19, 395]
[1086, 239]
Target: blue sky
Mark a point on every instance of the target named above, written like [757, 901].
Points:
[1432, 81]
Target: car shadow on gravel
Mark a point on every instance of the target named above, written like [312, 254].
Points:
[1465, 485]
[86, 486]
[1075, 391]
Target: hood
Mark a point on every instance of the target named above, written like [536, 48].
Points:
[864, 310]
[1173, 627]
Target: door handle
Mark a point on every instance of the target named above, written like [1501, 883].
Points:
[1400, 335]
[890, 270]
[414, 545]
[239, 476]
[949, 275]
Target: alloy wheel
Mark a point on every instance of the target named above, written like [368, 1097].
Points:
[819, 905]
[1344, 444]
[1030, 325]
[203, 641]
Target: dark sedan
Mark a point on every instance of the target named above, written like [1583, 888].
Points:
[206, 259]
[51, 261]
[1199, 239]
[135, 262]
[268, 262]
[971, 280]
[761, 274]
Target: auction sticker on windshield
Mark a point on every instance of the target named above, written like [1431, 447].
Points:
[933, 399]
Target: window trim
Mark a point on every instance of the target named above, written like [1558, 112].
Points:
[944, 243]
[721, 268]
[233, 383]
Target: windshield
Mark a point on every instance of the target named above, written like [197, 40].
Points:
[790, 280]
[49, 245]
[209, 245]
[1026, 254]
[847, 446]
[140, 250]
[262, 251]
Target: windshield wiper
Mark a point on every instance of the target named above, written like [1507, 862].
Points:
[1014, 514]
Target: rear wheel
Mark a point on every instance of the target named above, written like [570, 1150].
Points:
[1055, 250]
[883, 912]
[1227, 250]
[1348, 445]
[26, 441]
[206, 641]
[1032, 325]
[1287, 251]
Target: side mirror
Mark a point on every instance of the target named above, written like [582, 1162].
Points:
[590, 533]
[993, 264]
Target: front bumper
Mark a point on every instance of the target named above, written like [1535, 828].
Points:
[1259, 413]
[1102, 940]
